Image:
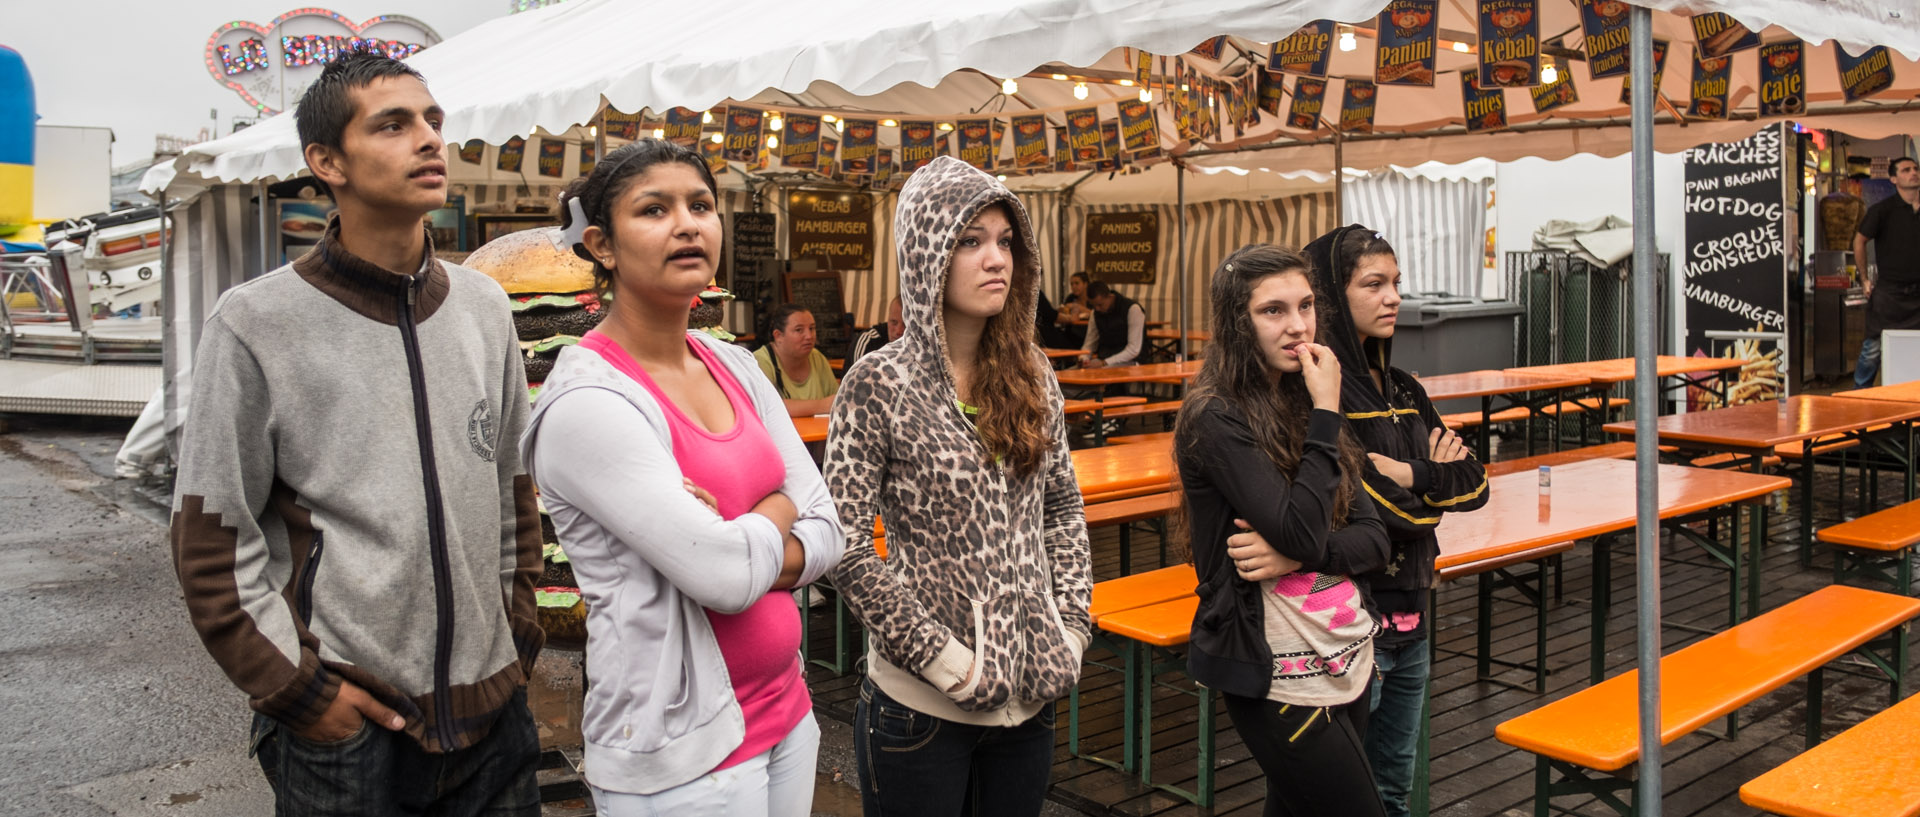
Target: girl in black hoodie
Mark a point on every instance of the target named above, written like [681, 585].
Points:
[1417, 470]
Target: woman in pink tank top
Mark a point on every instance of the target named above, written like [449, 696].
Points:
[646, 219]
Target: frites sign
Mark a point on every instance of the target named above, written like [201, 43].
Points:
[269, 65]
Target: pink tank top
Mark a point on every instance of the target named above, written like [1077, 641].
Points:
[762, 644]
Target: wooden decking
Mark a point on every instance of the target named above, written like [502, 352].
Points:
[1474, 775]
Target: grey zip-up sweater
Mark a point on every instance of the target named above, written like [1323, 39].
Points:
[987, 568]
[661, 710]
[350, 504]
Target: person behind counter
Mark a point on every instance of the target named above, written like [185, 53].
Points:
[688, 506]
[798, 371]
[1893, 281]
[954, 436]
[1117, 330]
[1282, 630]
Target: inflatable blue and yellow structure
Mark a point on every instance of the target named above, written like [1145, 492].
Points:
[16, 142]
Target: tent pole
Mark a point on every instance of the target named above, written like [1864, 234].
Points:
[1180, 215]
[169, 346]
[266, 230]
[1646, 411]
[1339, 180]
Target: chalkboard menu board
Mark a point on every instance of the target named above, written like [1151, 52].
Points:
[820, 293]
[834, 229]
[1738, 243]
[753, 245]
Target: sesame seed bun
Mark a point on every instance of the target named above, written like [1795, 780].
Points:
[531, 261]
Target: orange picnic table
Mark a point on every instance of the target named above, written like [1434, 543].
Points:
[1707, 373]
[812, 429]
[1123, 375]
[1755, 430]
[1908, 392]
[1121, 471]
[1509, 385]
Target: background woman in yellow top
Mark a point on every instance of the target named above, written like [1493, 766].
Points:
[798, 371]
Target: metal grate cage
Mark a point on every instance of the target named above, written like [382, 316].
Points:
[1572, 310]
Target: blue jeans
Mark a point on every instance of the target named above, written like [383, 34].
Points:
[1393, 733]
[916, 765]
[1868, 366]
[380, 773]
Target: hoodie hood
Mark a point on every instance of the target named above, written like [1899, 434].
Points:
[1336, 328]
[938, 203]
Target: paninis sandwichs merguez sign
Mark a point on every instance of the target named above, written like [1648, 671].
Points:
[271, 64]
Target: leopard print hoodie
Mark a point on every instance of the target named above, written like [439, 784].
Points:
[987, 578]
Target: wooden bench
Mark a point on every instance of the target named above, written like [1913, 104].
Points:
[1866, 771]
[1861, 545]
[1073, 408]
[1597, 729]
[1517, 414]
[1115, 596]
[1143, 630]
[1606, 451]
[1125, 512]
[1144, 409]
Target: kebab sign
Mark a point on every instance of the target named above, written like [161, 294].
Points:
[271, 64]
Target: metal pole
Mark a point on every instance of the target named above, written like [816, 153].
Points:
[266, 232]
[1180, 217]
[170, 350]
[1339, 180]
[1646, 382]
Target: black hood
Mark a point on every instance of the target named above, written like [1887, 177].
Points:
[1335, 330]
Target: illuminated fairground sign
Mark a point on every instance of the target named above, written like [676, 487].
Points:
[270, 65]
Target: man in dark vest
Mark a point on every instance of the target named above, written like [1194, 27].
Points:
[1117, 332]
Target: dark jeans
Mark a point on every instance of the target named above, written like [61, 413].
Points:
[916, 765]
[378, 773]
[1313, 757]
[1393, 728]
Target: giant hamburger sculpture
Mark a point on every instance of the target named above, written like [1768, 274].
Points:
[550, 290]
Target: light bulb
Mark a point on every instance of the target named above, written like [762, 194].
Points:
[1462, 47]
[775, 122]
[1079, 90]
[659, 133]
[706, 117]
[1146, 95]
[829, 118]
[1060, 76]
[1001, 177]
[888, 123]
[1347, 42]
[593, 132]
[1127, 82]
[1009, 87]
[773, 142]
[946, 126]
[719, 138]
[1548, 74]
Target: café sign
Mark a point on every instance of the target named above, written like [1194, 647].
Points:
[269, 65]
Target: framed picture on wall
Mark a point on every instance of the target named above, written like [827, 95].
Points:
[448, 225]
[494, 225]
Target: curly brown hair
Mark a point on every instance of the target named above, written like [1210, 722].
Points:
[1235, 371]
[1009, 382]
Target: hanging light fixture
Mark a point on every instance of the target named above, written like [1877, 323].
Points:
[775, 121]
[946, 126]
[1127, 82]
[1548, 73]
[706, 117]
[1462, 47]
[1079, 90]
[1146, 94]
[1061, 77]
[659, 133]
[888, 123]
[1009, 87]
[719, 138]
[773, 142]
[1347, 41]
[829, 118]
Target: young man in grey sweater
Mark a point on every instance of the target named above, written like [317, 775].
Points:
[354, 532]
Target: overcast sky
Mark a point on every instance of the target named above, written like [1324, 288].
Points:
[136, 65]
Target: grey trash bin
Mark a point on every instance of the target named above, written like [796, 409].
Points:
[1445, 334]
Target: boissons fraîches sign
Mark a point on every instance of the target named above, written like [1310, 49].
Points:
[271, 64]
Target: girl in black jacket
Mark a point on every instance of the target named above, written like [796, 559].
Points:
[1281, 631]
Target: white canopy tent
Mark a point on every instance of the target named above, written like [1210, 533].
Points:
[555, 69]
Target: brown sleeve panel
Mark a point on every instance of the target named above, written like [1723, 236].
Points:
[204, 557]
[528, 638]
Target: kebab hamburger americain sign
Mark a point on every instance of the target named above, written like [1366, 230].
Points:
[270, 64]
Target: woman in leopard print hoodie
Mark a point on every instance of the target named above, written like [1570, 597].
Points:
[953, 436]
